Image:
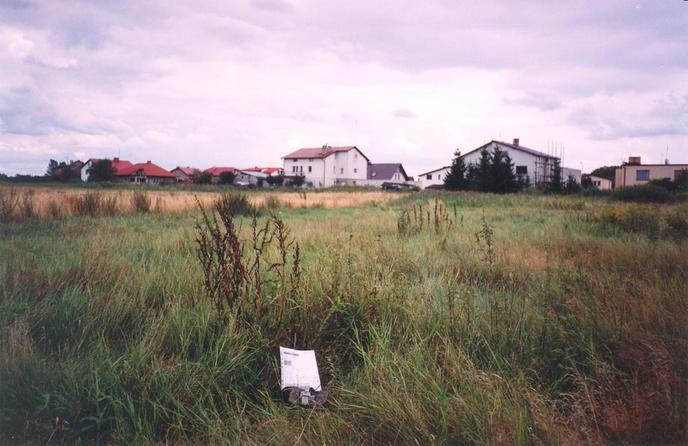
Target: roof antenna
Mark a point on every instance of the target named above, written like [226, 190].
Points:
[666, 156]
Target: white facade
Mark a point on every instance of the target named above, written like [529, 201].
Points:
[601, 183]
[567, 172]
[332, 167]
[432, 178]
[534, 166]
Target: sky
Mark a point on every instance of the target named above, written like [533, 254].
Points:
[242, 83]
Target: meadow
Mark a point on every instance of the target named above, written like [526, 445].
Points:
[436, 319]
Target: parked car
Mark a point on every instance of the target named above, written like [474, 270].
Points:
[399, 186]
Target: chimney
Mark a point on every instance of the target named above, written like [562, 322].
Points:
[148, 162]
[515, 141]
[116, 159]
[634, 160]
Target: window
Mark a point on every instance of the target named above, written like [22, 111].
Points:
[310, 169]
[295, 160]
[341, 170]
[642, 175]
[439, 176]
[301, 169]
[521, 170]
[428, 177]
[355, 170]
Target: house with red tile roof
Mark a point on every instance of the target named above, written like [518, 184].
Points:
[184, 174]
[117, 164]
[328, 166]
[144, 173]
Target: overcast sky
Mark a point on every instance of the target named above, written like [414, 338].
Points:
[240, 83]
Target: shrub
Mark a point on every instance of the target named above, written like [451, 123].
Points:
[235, 203]
[647, 193]
[651, 221]
[9, 201]
[87, 204]
[227, 177]
[141, 202]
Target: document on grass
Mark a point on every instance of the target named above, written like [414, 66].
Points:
[299, 369]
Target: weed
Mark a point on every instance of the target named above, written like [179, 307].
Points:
[9, 202]
[140, 202]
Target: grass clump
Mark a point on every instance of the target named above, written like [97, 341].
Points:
[652, 221]
[235, 204]
[646, 193]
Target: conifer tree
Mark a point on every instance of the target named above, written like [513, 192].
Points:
[456, 177]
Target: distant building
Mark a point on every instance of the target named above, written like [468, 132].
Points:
[184, 174]
[379, 173]
[634, 173]
[575, 174]
[217, 171]
[328, 166]
[117, 164]
[270, 171]
[144, 173]
[433, 177]
[600, 182]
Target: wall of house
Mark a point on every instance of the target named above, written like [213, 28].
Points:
[628, 175]
[84, 170]
[339, 168]
[538, 169]
[437, 177]
[601, 183]
[567, 172]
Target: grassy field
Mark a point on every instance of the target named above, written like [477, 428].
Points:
[449, 318]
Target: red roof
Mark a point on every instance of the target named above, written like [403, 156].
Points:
[216, 171]
[117, 163]
[149, 169]
[321, 152]
[268, 170]
[187, 170]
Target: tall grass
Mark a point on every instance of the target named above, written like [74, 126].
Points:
[526, 323]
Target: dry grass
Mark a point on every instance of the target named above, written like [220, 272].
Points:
[50, 202]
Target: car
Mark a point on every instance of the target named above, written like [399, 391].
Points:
[387, 185]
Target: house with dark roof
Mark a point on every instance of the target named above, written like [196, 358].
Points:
[144, 173]
[327, 166]
[379, 173]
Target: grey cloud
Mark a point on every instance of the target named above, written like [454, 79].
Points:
[272, 5]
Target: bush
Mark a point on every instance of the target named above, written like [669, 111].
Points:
[227, 177]
[649, 220]
[141, 202]
[235, 204]
[87, 204]
[647, 193]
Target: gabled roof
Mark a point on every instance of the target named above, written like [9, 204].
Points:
[514, 147]
[216, 171]
[117, 164]
[149, 169]
[267, 170]
[321, 152]
[385, 171]
[186, 170]
[433, 171]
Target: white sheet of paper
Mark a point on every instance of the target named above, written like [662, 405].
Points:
[299, 368]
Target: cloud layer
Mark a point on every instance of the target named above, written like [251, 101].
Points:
[243, 83]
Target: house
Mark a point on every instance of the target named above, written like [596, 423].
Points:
[536, 167]
[328, 166]
[386, 172]
[634, 173]
[184, 174]
[270, 171]
[144, 173]
[433, 177]
[251, 177]
[600, 182]
[217, 171]
[117, 164]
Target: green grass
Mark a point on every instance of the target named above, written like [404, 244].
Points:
[575, 333]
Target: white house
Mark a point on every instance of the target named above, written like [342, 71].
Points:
[117, 165]
[535, 166]
[328, 166]
[567, 172]
[433, 177]
[386, 172]
[600, 182]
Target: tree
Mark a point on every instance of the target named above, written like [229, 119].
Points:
[298, 180]
[571, 186]
[101, 171]
[586, 182]
[483, 178]
[227, 177]
[52, 167]
[199, 177]
[456, 177]
[503, 177]
[555, 182]
[607, 172]
[275, 180]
